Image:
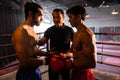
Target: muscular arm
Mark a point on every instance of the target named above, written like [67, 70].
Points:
[42, 41]
[25, 50]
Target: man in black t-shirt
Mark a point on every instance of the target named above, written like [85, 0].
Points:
[60, 37]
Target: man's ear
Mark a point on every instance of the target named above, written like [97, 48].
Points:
[79, 17]
[30, 13]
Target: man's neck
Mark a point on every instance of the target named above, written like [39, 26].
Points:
[59, 26]
[81, 26]
[27, 22]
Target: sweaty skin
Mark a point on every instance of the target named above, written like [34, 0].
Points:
[84, 44]
[84, 48]
[24, 40]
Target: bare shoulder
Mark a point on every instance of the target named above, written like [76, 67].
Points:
[87, 33]
[21, 32]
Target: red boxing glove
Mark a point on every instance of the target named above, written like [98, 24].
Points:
[62, 55]
[68, 64]
[56, 64]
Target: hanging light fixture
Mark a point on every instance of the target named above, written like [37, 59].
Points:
[87, 15]
[114, 12]
[104, 5]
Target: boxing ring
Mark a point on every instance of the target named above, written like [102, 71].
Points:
[108, 49]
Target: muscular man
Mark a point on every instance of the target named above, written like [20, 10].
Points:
[60, 36]
[24, 40]
[83, 48]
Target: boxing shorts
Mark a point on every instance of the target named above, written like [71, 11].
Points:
[28, 74]
[82, 74]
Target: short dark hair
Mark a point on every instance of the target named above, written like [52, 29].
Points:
[59, 10]
[77, 10]
[31, 6]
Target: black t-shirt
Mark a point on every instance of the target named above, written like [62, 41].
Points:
[59, 37]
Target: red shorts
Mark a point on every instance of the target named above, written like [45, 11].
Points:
[82, 74]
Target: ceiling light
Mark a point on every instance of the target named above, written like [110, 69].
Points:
[114, 12]
[104, 5]
[87, 16]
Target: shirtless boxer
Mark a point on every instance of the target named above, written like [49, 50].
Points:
[24, 40]
[83, 48]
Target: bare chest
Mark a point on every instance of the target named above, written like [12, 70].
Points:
[77, 43]
[33, 38]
